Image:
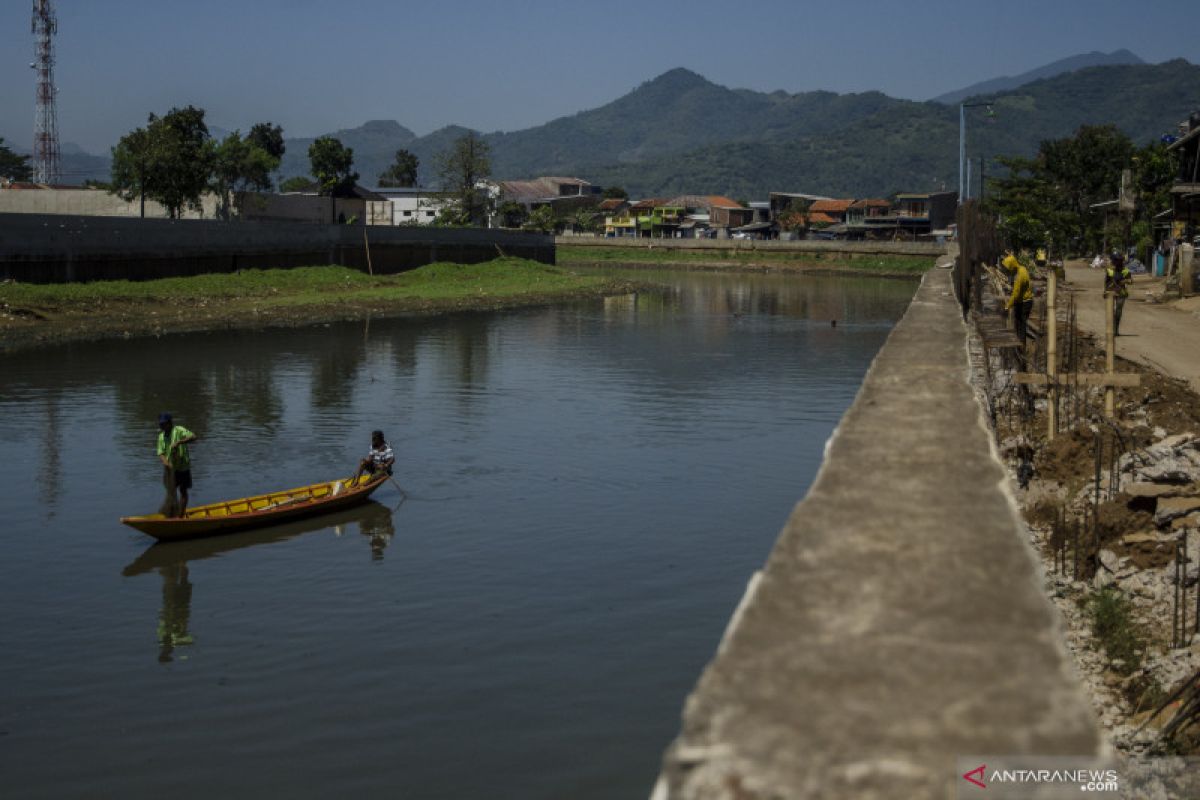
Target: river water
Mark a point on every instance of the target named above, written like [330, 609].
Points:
[587, 490]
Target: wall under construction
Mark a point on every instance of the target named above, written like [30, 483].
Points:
[39, 248]
[899, 623]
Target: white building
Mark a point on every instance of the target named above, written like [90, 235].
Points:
[414, 206]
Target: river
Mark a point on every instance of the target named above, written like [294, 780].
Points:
[587, 489]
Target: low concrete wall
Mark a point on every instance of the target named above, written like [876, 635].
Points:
[900, 621]
[89, 202]
[767, 245]
[52, 248]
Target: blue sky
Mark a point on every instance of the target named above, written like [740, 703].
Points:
[314, 66]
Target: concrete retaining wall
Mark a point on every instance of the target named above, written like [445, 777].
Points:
[89, 202]
[931, 249]
[52, 248]
[899, 623]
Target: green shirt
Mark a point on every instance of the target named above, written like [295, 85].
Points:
[181, 460]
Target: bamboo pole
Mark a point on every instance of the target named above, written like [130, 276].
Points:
[367, 247]
[1110, 398]
[1052, 352]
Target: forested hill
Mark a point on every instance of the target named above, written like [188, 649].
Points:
[1008, 83]
[680, 133]
[914, 146]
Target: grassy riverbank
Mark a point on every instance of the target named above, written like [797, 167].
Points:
[33, 313]
[734, 259]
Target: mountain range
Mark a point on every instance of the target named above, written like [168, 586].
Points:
[680, 133]
[1007, 83]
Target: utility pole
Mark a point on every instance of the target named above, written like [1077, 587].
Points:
[962, 142]
[45, 126]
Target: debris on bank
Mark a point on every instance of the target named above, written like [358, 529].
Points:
[1113, 508]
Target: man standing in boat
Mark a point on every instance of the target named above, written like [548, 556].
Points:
[177, 463]
[379, 458]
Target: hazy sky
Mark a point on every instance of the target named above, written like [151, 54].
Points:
[314, 66]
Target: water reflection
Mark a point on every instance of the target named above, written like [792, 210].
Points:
[49, 477]
[176, 609]
[592, 483]
[379, 530]
[171, 560]
[241, 382]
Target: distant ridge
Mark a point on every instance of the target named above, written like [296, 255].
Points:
[1053, 69]
[682, 134]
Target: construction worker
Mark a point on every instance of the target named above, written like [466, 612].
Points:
[1021, 300]
[1116, 280]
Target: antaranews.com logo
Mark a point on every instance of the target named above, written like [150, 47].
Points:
[1086, 780]
[998, 778]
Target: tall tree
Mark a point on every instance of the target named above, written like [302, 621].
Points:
[238, 166]
[131, 167]
[1087, 166]
[268, 137]
[332, 165]
[1054, 193]
[14, 167]
[168, 161]
[461, 169]
[402, 172]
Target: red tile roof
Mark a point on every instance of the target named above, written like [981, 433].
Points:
[722, 202]
[611, 204]
[819, 217]
[831, 206]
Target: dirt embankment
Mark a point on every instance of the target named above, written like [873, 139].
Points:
[1113, 506]
[22, 327]
[767, 267]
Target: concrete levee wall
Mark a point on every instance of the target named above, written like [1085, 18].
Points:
[900, 622]
[766, 245]
[89, 202]
[58, 248]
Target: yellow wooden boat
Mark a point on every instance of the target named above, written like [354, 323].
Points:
[259, 510]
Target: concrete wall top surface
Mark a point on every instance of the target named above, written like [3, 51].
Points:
[900, 621]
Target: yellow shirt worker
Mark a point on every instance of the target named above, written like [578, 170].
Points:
[1021, 300]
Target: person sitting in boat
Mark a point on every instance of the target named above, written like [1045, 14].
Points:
[379, 459]
[177, 462]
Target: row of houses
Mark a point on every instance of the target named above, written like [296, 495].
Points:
[786, 215]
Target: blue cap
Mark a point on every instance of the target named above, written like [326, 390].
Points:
[164, 417]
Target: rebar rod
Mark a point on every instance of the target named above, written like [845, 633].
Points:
[1183, 608]
[1175, 605]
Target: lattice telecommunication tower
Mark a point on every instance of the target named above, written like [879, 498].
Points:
[45, 126]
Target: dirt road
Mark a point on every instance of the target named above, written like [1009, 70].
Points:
[1165, 336]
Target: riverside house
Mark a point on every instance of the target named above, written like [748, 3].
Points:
[561, 194]
[915, 215]
[631, 219]
[871, 208]
[1185, 192]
